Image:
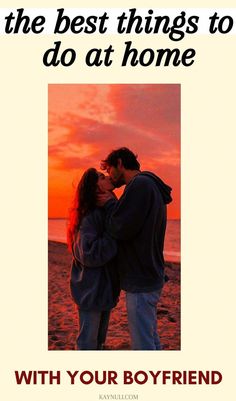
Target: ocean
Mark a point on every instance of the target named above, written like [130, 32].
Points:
[57, 232]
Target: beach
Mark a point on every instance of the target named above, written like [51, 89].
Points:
[62, 312]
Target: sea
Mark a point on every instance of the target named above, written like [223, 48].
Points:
[57, 232]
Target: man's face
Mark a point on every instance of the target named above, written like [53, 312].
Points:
[116, 175]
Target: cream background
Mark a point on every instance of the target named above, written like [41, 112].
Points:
[208, 212]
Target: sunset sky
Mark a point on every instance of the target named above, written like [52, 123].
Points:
[86, 122]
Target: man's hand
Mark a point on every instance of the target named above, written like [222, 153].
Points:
[104, 197]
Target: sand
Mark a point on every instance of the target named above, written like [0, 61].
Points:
[62, 312]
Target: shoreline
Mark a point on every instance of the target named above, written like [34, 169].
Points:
[62, 312]
[167, 261]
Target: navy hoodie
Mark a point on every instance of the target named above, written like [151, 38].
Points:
[138, 221]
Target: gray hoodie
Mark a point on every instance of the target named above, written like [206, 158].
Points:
[94, 278]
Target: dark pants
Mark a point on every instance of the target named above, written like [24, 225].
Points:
[93, 329]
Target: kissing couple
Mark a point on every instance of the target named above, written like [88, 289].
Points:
[118, 244]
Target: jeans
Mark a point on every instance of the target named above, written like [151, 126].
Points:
[142, 320]
[93, 329]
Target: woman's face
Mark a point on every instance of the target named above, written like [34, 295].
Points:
[104, 183]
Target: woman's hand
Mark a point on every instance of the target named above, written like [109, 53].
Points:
[104, 197]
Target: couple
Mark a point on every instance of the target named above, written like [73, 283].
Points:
[118, 244]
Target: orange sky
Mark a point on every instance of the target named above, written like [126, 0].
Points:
[86, 122]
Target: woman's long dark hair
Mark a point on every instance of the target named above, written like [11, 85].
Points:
[84, 202]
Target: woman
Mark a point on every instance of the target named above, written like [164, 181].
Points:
[94, 278]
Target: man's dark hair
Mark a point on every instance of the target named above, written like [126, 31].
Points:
[128, 158]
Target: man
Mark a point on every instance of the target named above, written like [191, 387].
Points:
[138, 221]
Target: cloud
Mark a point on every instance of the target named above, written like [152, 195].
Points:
[86, 122]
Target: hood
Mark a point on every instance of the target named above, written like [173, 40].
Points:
[164, 189]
